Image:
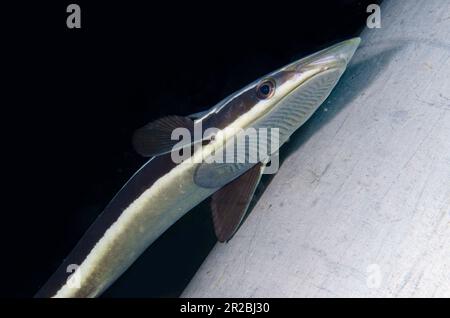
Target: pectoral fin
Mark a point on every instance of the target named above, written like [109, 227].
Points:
[229, 205]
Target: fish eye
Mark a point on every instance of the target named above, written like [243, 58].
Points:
[265, 89]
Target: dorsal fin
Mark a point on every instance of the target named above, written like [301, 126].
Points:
[229, 205]
[155, 138]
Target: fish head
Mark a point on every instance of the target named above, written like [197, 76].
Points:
[288, 78]
[283, 100]
[312, 77]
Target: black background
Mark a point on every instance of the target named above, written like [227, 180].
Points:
[73, 97]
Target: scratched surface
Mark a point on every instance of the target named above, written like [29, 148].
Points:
[361, 204]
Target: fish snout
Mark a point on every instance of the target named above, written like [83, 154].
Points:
[336, 56]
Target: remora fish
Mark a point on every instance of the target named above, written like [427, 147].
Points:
[163, 191]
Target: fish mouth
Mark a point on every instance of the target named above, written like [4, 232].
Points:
[336, 56]
[341, 52]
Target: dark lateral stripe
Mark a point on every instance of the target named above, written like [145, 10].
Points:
[154, 169]
[141, 181]
[232, 110]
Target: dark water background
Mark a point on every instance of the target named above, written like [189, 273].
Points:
[76, 96]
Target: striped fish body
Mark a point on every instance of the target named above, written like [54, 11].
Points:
[161, 192]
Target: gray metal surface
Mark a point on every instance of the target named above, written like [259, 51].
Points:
[361, 205]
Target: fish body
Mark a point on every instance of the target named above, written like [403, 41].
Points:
[162, 191]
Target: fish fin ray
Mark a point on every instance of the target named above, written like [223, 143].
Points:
[155, 138]
[229, 205]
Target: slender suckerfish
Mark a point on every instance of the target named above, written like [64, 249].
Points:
[163, 190]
